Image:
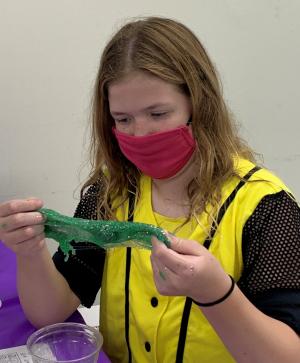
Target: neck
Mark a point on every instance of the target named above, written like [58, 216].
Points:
[175, 188]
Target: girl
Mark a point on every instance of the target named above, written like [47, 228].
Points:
[165, 151]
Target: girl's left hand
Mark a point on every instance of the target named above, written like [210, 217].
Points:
[187, 269]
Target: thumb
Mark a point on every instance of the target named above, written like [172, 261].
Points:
[185, 246]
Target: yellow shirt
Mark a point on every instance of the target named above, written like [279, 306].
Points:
[154, 329]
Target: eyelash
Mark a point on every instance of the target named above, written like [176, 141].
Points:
[154, 115]
[159, 114]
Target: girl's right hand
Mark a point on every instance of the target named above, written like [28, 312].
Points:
[21, 226]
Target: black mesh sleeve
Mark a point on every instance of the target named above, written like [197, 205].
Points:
[271, 255]
[83, 271]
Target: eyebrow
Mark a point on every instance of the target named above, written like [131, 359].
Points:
[149, 108]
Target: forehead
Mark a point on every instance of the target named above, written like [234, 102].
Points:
[139, 89]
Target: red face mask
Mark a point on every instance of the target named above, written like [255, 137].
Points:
[160, 155]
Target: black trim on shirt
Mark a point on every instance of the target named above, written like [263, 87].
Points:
[131, 202]
[183, 329]
[226, 204]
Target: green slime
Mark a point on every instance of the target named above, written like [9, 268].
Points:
[104, 234]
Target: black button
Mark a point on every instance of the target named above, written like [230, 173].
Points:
[154, 302]
[147, 346]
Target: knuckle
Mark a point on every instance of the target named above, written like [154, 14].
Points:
[12, 206]
[29, 232]
[17, 219]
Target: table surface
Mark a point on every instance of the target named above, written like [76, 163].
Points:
[15, 328]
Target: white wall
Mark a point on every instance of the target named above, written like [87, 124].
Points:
[49, 53]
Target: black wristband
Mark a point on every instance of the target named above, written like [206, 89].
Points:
[219, 300]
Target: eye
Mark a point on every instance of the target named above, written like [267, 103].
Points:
[122, 120]
[158, 114]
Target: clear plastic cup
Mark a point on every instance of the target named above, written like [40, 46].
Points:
[65, 342]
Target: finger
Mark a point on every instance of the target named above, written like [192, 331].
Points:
[163, 279]
[166, 256]
[155, 267]
[186, 247]
[30, 246]
[159, 279]
[166, 282]
[36, 243]
[159, 270]
[24, 234]
[19, 206]
[19, 220]
[180, 264]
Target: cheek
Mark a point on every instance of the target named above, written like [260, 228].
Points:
[126, 129]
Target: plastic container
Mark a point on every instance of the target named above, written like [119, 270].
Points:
[65, 342]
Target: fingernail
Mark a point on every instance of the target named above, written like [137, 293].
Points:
[39, 217]
[171, 236]
[154, 240]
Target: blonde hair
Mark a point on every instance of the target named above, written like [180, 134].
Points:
[169, 50]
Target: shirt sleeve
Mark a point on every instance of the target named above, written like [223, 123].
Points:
[271, 255]
[83, 270]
